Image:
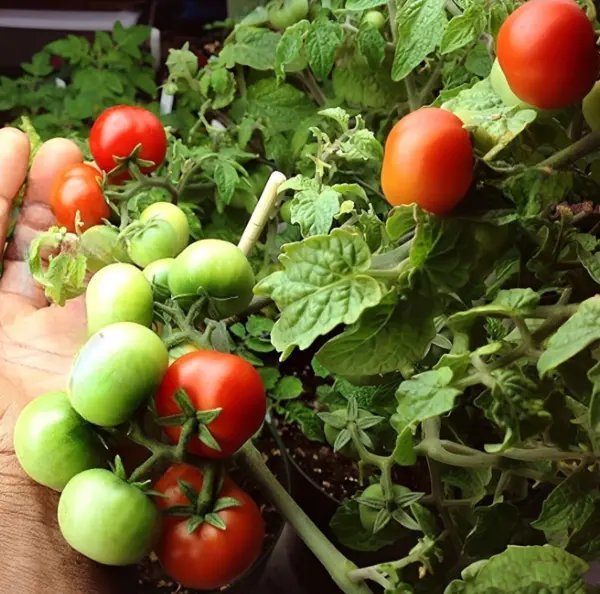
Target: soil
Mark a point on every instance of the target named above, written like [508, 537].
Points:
[151, 579]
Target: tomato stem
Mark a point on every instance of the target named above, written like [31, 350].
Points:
[261, 213]
[338, 566]
[588, 144]
[210, 471]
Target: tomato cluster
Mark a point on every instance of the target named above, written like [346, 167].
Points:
[208, 403]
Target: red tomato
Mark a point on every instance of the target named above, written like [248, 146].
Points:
[428, 160]
[119, 129]
[548, 53]
[214, 380]
[208, 558]
[77, 189]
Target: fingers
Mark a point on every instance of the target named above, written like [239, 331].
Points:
[14, 159]
[35, 216]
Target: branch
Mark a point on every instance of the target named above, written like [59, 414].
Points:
[588, 144]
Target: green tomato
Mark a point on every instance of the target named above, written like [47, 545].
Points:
[154, 241]
[375, 19]
[285, 212]
[502, 88]
[368, 515]
[217, 267]
[172, 214]
[591, 108]
[116, 370]
[284, 13]
[118, 293]
[53, 443]
[102, 247]
[107, 519]
[181, 349]
[157, 275]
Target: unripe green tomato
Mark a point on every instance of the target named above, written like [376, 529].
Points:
[154, 242]
[375, 19]
[107, 519]
[118, 293]
[53, 443]
[368, 515]
[157, 274]
[285, 212]
[591, 107]
[181, 349]
[172, 214]
[284, 13]
[219, 269]
[502, 88]
[102, 247]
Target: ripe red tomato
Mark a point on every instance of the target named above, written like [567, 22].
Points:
[208, 558]
[428, 160]
[77, 189]
[215, 380]
[119, 129]
[547, 50]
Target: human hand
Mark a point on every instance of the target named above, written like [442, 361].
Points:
[37, 344]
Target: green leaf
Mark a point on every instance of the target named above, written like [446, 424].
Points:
[363, 4]
[288, 388]
[306, 419]
[463, 29]
[472, 482]
[494, 124]
[322, 42]
[280, 107]
[509, 303]
[289, 55]
[371, 44]
[314, 211]
[426, 395]
[386, 338]
[578, 332]
[400, 221]
[349, 531]
[215, 520]
[226, 178]
[207, 438]
[493, 530]
[566, 510]
[226, 503]
[259, 325]
[404, 450]
[421, 25]
[270, 376]
[252, 46]
[323, 284]
[39, 65]
[64, 276]
[523, 570]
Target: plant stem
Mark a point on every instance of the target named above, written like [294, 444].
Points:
[452, 8]
[209, 480]
[256, 304]
[411, 93]
[160, 452]
[314, 89]
[432, 81]
[261, 213]
[334, 562]
[393, 23]
[588, 144]
[187, 431]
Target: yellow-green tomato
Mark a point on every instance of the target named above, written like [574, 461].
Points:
[53, 443]
[374, 18]
[118, 293]
[116, 370]
[153, 241]
[102, 247]
[591, 107]
[172, 214]
[502, 88]
[107, 519]
[219, 269]
[181, 349]
[157, 274]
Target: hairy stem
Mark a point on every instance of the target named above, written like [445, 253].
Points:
[588, 144]
[338, 566]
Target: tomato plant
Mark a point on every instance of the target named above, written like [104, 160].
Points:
[227, 395]
[207, 557]
[216, 268]
[428, 160]
[107, 519]
[118, 293]
[119, 130]
[53, 443]
[102, 247]
[77, 200]
[526, 51]
[116, 370]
